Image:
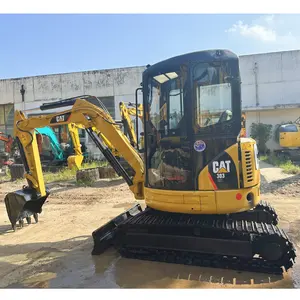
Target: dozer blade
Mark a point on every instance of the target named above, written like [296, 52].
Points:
[23, 204]
[104, 236]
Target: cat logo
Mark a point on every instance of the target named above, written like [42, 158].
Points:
[221, 167]
[60, 118]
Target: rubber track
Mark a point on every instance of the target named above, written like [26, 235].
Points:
[266, 214]
[266, 206]
[237, 229]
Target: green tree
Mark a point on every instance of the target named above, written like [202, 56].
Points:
[261, 133]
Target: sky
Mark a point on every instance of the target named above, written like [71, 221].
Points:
[49, 44]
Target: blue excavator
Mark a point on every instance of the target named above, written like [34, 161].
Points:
[51, 150]
[53, 153]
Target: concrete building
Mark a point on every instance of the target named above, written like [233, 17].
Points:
[110, 86]
[270, 90]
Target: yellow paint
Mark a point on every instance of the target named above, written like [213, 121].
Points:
[200, 202]
[204, 183]
[127, 120]
[28, 140]
[226, 201]
[289, 139]
[222, 170]
[251, 176]
[75, 161]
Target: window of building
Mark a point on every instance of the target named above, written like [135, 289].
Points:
[109, 103]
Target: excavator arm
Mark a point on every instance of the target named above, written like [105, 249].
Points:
[133, 110]
[127, 123]
[104, 138]
[126, 112]
[30, 199]
[75, 160]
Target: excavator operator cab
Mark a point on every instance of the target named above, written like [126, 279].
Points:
[180, 95]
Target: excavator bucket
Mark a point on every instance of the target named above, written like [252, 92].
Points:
[23, 204]
[105, 236]
[75, 161]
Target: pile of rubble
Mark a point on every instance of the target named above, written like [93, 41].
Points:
[286, 187]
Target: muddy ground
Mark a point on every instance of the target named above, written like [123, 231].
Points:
[56, 252]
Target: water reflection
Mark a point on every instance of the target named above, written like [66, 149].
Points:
[109, 270]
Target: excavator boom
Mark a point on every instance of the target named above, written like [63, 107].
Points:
[31, 199]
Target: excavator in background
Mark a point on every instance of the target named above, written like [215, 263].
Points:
[200, 181]
[52, 153]
[5, 161]
[75, 161]
[131, 110]
[50, 149]
[8, 141]
[288, 137]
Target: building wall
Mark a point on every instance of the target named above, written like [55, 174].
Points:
[111, 86]
[270, 79]
[39, 89]
[273, 117]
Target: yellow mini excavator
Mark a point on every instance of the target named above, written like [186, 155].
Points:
[199, 179]
[289, 141]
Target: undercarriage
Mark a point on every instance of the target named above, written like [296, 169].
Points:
[249, 241]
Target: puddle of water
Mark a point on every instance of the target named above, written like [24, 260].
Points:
[154, 274]
[109, 270]
[40, 280]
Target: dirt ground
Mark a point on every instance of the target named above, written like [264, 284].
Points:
[56, 252]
